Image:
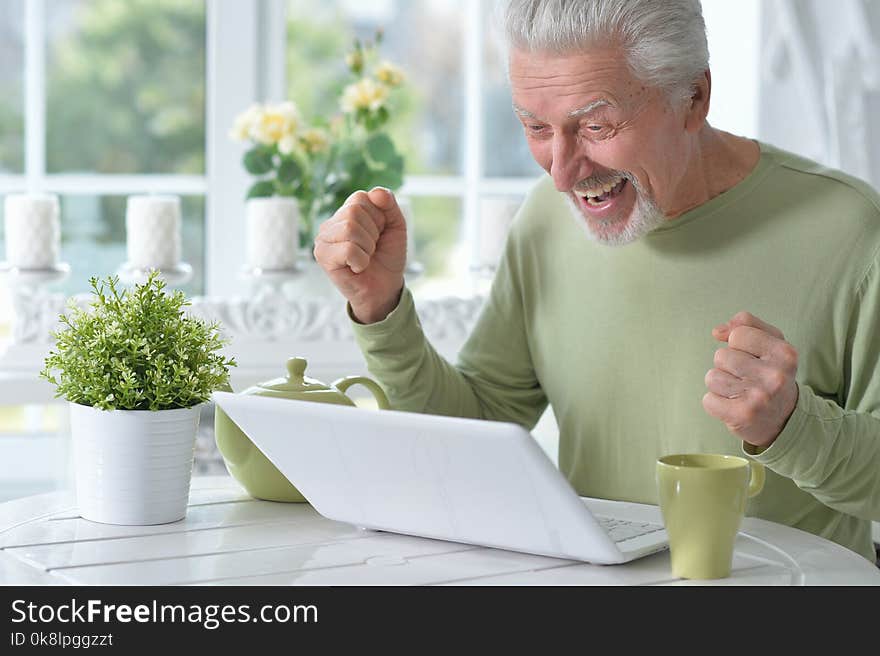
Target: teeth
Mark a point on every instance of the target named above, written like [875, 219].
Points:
[598, 191]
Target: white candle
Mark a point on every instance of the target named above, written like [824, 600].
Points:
[152, 226]
[33, 230]
[496, 215]
[406, 209]
[272, 232]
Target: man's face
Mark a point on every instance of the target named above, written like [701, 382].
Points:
[613, 145]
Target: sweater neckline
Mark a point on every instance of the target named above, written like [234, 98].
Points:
[722, 200]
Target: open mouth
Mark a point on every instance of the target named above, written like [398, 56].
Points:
[601, 198]
[597, 201]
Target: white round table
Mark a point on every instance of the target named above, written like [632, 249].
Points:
[228, 538]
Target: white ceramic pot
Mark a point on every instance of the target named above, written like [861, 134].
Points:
[133, 466]
[272, 233]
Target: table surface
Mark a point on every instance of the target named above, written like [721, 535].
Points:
[228, 538]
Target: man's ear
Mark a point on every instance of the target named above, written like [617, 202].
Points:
[697, 107]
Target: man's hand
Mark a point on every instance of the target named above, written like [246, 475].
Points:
[752, 387]
[362, 248]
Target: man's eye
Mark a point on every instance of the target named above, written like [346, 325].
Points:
[595, 128]
[535, 128]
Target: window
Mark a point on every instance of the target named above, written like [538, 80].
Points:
[114, 105]
[11, 87]
[460, 158]
[104, 98]
[100, 99]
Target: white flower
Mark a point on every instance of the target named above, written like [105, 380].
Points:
[241, 130]
[289, 111]
[388, 73]
[287, 144]
[364, 94]
[315, 140]
[269, 124]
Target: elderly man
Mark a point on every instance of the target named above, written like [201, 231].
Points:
[645, 350]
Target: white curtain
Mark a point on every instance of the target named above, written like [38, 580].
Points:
[820, 84]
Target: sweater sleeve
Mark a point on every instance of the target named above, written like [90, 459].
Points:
[493, 377]
[830, 451]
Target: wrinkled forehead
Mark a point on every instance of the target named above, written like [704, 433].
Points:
[568, 83]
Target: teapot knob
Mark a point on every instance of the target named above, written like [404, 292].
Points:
[296, 367]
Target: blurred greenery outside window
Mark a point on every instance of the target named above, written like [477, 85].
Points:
[11, 87]
[129, 74]
[427, 40]
[124, 93]
[11, 116]
[124, 86]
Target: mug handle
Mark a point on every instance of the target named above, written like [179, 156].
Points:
[344, 383]
[756, 478]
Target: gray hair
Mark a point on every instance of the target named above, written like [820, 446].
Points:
[664, 40]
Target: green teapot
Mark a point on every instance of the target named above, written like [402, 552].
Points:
[246, 463]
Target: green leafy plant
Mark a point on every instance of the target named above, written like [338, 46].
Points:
[136, 350]
[322, 163]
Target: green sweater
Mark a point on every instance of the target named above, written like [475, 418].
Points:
[618, 340]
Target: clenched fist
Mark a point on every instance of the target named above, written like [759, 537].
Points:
[362, 248]
[752, 387]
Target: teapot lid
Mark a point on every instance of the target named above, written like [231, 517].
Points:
[295, 381]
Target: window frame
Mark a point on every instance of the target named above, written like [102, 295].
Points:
[473, 184]
[252, 70]
[222, 20]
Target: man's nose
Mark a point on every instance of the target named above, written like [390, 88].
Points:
[569, 166]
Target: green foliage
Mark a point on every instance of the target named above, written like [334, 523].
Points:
[329, 159]
[261, 189]
[136, 350]
[258, 160]
[130, 76]
[126, 93]
[435, 234]
[289, 172]
[316, 34]
[315, 73]
[11, 130]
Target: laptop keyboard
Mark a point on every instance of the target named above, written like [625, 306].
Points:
[621, 529]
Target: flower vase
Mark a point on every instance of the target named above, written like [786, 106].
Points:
[272, 233]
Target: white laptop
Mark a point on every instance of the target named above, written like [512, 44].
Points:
[464, 480]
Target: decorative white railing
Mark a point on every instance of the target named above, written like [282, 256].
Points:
[262, 331]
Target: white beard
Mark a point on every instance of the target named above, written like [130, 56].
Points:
[646, 216]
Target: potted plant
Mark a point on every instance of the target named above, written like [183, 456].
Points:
[305, 171]
[135, 369]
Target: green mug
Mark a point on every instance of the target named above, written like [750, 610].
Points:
[703, 499]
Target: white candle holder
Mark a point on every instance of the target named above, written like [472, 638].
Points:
[175, 276]
[34, 278]
[271, 275]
